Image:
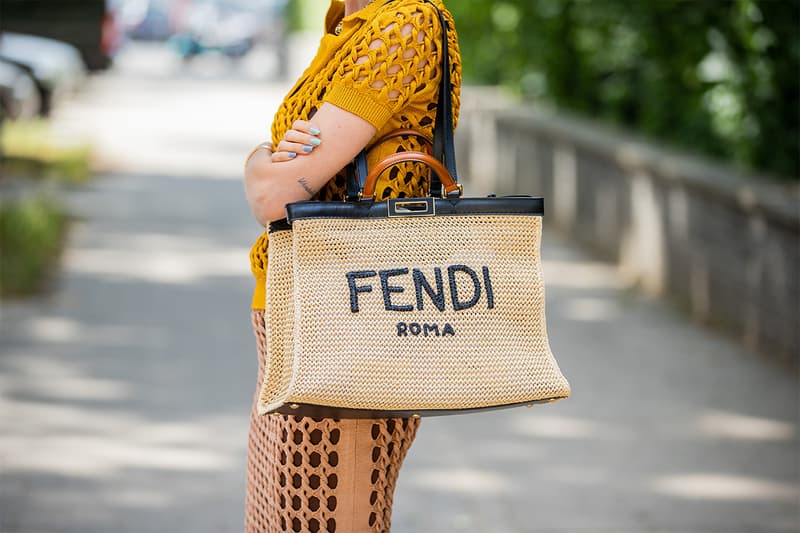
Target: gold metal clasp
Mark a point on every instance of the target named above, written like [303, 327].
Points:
[411, 207]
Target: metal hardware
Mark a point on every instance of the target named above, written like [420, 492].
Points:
[415, 415]
[294, 406]
[415, 207]
[460, 191]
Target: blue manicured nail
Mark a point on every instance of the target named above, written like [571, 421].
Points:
[292, 154]
[307, 148]
[314, 131]
[315, 141]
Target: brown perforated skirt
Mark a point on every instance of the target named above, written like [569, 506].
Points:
[321, 475]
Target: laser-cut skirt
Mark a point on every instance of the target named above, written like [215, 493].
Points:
[321, 475]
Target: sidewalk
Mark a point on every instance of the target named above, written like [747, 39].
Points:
[125, 394]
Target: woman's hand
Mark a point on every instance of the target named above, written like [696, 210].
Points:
[300, 140]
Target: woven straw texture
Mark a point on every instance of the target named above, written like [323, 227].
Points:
[321, 475]
[280, 314]
[497, 354]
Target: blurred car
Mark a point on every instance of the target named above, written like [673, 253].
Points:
[231, 27]
[216, 26]
[111, 32]
[57, 67]
[19, 96]
[89, 25]
[147, 20]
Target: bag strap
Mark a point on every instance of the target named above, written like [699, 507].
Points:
[443, 142]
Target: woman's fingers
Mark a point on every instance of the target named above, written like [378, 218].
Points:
[278, 157]
[300, 140]
[299, 148]
[304, 126]
[301, 137]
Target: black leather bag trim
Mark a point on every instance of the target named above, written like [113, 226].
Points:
[279, 225]
[517, 205]
[326, 411]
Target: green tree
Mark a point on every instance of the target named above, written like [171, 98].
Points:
[718, 76]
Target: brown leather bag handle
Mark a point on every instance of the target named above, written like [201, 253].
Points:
[360, 167]
[450, 187]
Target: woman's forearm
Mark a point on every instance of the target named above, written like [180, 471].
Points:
[268, 189]
[269, 185]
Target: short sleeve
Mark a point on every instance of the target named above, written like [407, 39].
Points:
[393, 58]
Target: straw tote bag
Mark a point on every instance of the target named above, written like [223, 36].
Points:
[410, 307]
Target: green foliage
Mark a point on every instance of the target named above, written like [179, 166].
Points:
[29, 150]
[32, 224]
[31, 235]
[718, 76]
[307, 15]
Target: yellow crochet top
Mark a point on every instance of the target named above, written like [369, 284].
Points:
[390, 87]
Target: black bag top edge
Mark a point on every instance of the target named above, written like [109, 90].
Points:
[516, 205]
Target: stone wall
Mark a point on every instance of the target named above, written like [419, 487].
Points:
[723, 245]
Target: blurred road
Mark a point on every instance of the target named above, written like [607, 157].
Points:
[125, 394]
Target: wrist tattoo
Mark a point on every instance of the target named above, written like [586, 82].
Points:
[304, 184]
